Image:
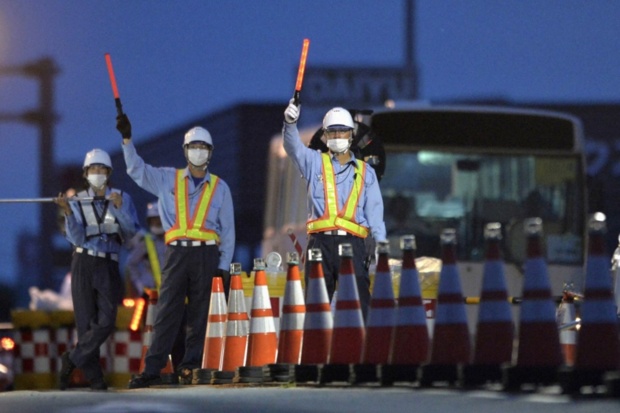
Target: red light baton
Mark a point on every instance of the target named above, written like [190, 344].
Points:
[301, 70]
[117, 98]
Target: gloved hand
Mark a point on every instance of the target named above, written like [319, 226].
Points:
[291, 114]
[123, 126]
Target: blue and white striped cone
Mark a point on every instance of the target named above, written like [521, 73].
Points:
[539, 355]
[380, 322]
[598, 345]
[451, 345]
[495, 328]
[348, 335]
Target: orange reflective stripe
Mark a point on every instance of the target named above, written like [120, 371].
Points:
[184, 227]
[345, 219]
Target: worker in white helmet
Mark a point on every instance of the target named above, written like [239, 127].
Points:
[97, 228]
[347, 211]
[196, 211]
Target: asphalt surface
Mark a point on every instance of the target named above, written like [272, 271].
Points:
[210, 398]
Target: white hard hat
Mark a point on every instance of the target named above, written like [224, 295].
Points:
[199, 134]
[97, 156]
[152, 210]
[338, 117]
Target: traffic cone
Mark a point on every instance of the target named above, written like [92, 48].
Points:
[318, 322]
[380, 322]
[451, 344]
[237, 329]
[168, 376]
[216, 328]
[291, 324]
[566, 317]
[263, 341]
[539, 355]
[495, 329]
[410, 342]
[348, 334]
[598, 345]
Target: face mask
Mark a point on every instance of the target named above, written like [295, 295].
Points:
[97, 181]
[156, 230]
[338, 145]
[198, 157]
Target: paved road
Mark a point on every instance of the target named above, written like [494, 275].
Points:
[299, 400]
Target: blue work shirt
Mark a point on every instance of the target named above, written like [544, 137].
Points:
[369, 212]
[126, 216]
[161, 182]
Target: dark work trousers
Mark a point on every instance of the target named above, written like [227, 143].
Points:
[188, 272]
[96, 289]
[328, 244]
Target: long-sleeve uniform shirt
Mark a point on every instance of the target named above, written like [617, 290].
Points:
[160, 182]
[369, 212]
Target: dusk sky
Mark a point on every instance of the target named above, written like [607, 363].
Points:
[177, 60]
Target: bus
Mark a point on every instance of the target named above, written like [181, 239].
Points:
[462, 167]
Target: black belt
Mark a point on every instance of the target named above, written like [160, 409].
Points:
[190, 243]
[336, 232]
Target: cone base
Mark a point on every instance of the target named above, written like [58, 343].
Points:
[222, 377]
[397, 373]
[612, 383]
[169, 378]
[573, 379]
[473, 375]
[203, 376]
[331, 373]
[304, 373]
[363, 373]
[513, 377]
[434, 373]
[278, 372]
[248, 374]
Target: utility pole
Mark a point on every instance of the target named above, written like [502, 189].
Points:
[43, 70]
[410, 62]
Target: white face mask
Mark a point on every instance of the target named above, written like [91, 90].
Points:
[338, 145]
[156, 230]
[97, 181]
[198, 157]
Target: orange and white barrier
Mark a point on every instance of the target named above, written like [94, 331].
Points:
[237, 326]
[263, 341]
[293, 314]
[216, 327]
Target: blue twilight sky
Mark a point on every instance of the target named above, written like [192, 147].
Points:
[175, 60]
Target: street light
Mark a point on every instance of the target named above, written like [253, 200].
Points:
[44, 117]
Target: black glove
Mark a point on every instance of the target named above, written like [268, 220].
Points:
[123, 126]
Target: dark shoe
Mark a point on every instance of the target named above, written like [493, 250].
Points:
[99, 385]
[144, 380]
[66, 368]
[186, 376]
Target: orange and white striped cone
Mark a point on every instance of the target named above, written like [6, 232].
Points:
[348, 335]
[539, 355]
[410, 341]
[451, 345]
[598, 345]
[318, 322]
[380, 322]
[237, 329]
[216, 329]
[168, 375]
[263, 341]
[567, 324]
[291, 325]
[495, 328]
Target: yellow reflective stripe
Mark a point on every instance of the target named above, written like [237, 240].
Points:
[153, 259]
[184, 227]
[331, 219]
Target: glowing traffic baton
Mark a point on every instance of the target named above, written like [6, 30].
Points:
[117, 98]
[301, 70]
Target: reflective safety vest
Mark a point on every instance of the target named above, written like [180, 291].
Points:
[96, 224]
[192, 228]
[344, 219]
